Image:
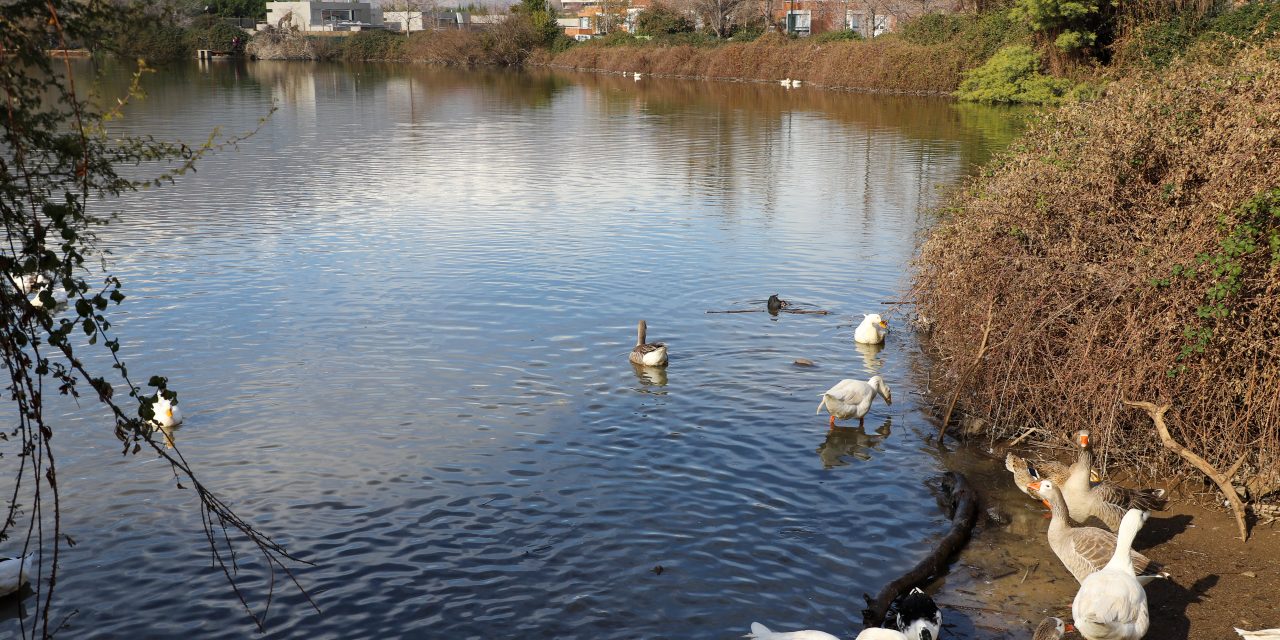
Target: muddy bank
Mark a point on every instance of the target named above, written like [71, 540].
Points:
[1008, 579]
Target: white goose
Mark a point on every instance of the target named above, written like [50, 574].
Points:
[14, 572]
[761, 632]
[872, 330]
[852, 398]
[166, 414]
[1111, 604]
[1261, 634]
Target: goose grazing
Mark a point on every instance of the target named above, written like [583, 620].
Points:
[14, 572]
[761, 632]
[1051, 629]
[918, 617]
[1105, 501]
[1111, 604]
[872, 330]
[1261, 634]
[166, 414]
[649, 354]
[852, 398]
[777, 304]
[1024, 473]
[1085, 550]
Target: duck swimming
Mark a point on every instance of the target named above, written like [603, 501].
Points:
[872, 330]
[649, 354]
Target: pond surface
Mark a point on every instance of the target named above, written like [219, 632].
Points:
[398, 319]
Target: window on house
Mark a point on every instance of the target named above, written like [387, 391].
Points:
[852, 21]
[336, 15]
[798, 22]
[882, 25]
[584, 23]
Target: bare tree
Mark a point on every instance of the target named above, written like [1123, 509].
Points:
[421, 11]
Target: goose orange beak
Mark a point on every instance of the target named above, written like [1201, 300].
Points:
[1034, 486]
[1071, 628]
[884, 324]
[1084, 441]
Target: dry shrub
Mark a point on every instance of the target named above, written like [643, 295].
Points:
[281, 44]
[460, 48]
[1103, 240]
[883, 64]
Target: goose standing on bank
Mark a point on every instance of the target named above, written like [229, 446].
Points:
[1024, 473]
[1085, 550]
[852, 398]
[1051, 629]
[872, 330]
[918, 617]
[1111, 604]
[761, 632]
[1104, 501]
[649, 354]
[14, 572]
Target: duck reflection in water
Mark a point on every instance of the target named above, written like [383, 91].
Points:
[843, 443]
[166, 432]
[650, 376]
[871, 360]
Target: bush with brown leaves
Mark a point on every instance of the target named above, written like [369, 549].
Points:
[1130, 248]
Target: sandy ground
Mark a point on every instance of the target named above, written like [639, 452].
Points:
[1007, 579]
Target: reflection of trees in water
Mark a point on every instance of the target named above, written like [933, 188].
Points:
[845, 443]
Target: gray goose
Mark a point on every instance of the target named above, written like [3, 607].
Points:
[648, 354]
[1104, 501]
[1084, 550]
[1051, 629]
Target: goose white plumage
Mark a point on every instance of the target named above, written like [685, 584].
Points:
[1261, 634]
[761, 632]
[1111, 605]
[880, 634]
[918, 617]
[852, 398]
[637, 76]
[872, 330]
[166, 413]
[14, 572]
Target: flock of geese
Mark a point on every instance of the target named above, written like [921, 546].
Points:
[1111, 603]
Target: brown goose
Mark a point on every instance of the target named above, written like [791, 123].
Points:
[1024, 473]
[1084, 550]
[1051, 629]
[1104, 501]
[649, 354]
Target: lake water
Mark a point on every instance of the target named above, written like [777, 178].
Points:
[398, 319]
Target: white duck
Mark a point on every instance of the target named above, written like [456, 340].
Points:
[1111, 604]
[1261, 634]
[880, 634]
[1051, 629]
[872, 330]
[852, 398]
[761, 632]
[786, 82]
[166, 414]
[649, 354]
[637, 76]
[918, 617]
[14, 572]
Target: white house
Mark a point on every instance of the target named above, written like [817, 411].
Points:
[334, 15]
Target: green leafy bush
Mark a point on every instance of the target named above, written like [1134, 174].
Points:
[150, 40]
[1012, 75]
[372, 45]
[1067, 22]
[659, 19]
[209, 32]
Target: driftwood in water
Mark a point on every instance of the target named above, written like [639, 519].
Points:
[965, 501]
[819, 312]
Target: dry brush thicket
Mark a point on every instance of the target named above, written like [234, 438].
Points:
[1130, 251]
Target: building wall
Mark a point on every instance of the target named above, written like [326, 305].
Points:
[309, 16]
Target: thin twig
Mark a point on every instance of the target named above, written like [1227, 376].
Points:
[977, 359]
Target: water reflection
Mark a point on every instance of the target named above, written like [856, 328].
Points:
[843, 443]
[650, 376]
[871, 361]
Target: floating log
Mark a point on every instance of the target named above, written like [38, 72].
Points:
[965, 502]
[819, 312]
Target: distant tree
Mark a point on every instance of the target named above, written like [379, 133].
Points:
[1068, 25]
[421, 13]
[541, 17]
[59, 168]
[659, 19]
[239, 8]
